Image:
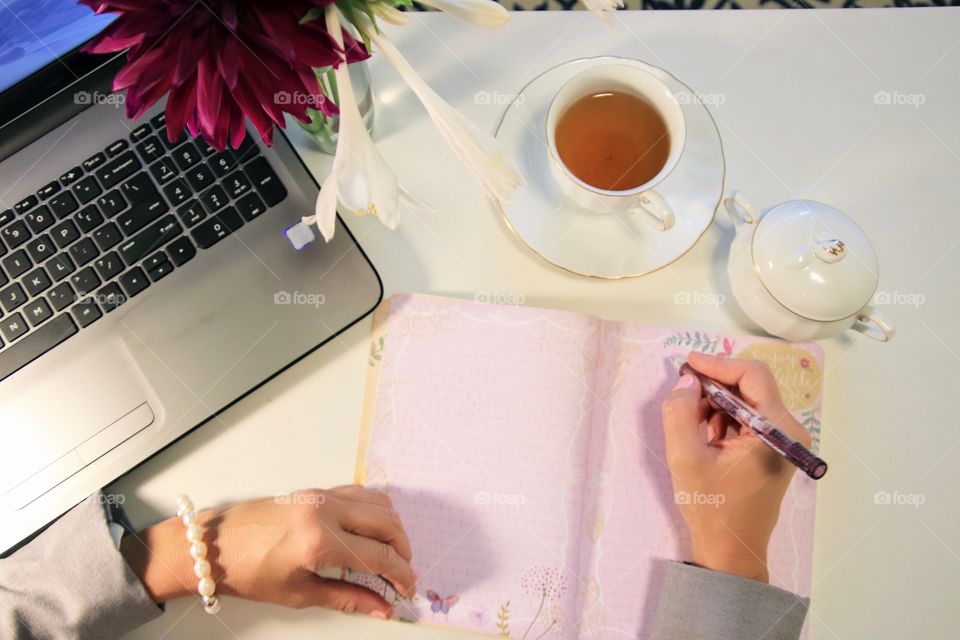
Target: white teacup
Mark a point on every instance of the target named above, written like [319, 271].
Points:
[628, 79]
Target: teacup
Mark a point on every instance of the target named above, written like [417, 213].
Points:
[642, 199]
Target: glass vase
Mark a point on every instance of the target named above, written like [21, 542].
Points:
[323, 128]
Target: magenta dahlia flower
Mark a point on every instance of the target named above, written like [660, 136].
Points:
[221, 61]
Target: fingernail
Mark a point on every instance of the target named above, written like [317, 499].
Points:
[686, 381]
[380, 615]
[711, 433]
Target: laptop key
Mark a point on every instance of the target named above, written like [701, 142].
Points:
[86, 313]
[142, 214]
[138, 188]
[93, 162]
[160, 271]
[163, 170]
[248, 150]
[187, 155]
[61, 296]
[12, 297]
[71, 176]
[107, 236]
[40, 249]
[153, 261]
[118, 170]
[36, 282]
[191, 213]
[164, 137]
[150, 239]
[13, 327]
[37, 312]
[177, 191]
[85, 281]
[141, 132]
[63, 205]
[83, 252]
[110, 297]
[236, 184]
[17, 263]
[266, 181]
[181, 251]
[48, 190]
[112, 203]
[200, 177]
[250, 206]
[159, 121]
[60, 266]
[39, 219]
[65, 234]
[89, 219]
[87, 189]
[26, 204]
[15, 234]
[108, 265]
[150, 149]
[134, 281]
[36, 344]
[214, 199]
[7, 216]
[117, 148]
[223, 163]
[218, 227]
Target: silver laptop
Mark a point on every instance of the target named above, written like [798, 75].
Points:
[144, 285]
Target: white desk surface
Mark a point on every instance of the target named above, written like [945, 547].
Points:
[798, 119]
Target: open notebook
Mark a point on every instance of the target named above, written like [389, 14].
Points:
[523, 449]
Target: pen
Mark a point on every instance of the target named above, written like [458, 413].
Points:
[764, 429]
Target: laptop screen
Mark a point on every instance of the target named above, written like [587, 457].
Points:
[34, 33]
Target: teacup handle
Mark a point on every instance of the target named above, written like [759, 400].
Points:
[739, 208]
[656, 209]
[871, 324]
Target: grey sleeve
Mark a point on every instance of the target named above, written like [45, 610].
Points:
[72, 582]
[699, 604]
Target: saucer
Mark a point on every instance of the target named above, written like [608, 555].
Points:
[607, 244]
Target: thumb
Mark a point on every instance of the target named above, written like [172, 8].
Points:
[346, 597]
[681, 421]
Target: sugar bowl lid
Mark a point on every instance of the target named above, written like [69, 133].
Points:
[814, 260]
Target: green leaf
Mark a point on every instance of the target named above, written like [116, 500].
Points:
[314, 14]
[381, 341]
[377, 356]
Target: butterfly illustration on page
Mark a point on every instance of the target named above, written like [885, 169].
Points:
[441, 605]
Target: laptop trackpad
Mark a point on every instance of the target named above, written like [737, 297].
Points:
[88, 451]
[72, 405]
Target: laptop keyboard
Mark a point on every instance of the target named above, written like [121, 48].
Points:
[102, 233]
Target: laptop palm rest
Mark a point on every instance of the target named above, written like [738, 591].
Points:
[89, 450]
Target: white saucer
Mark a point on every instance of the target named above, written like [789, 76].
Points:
[607, 244]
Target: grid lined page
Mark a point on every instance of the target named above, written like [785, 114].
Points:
[480, 437]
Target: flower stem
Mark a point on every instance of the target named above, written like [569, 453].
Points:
[532, 622]
[547, 630]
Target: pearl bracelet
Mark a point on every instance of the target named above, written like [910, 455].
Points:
[198, 551]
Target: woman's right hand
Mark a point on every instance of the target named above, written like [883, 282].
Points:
[271, 549]
[728, 489]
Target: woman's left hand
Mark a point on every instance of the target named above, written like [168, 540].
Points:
[271, 549]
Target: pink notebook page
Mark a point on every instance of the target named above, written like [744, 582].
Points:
[523, 449]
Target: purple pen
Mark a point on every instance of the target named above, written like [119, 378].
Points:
[764, 429]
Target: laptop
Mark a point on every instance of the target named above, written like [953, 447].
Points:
[144, 285]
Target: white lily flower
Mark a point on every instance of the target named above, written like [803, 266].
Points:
[483, 13]
[389, 14]
[480, 151]
[361, 180]
[602, 7]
